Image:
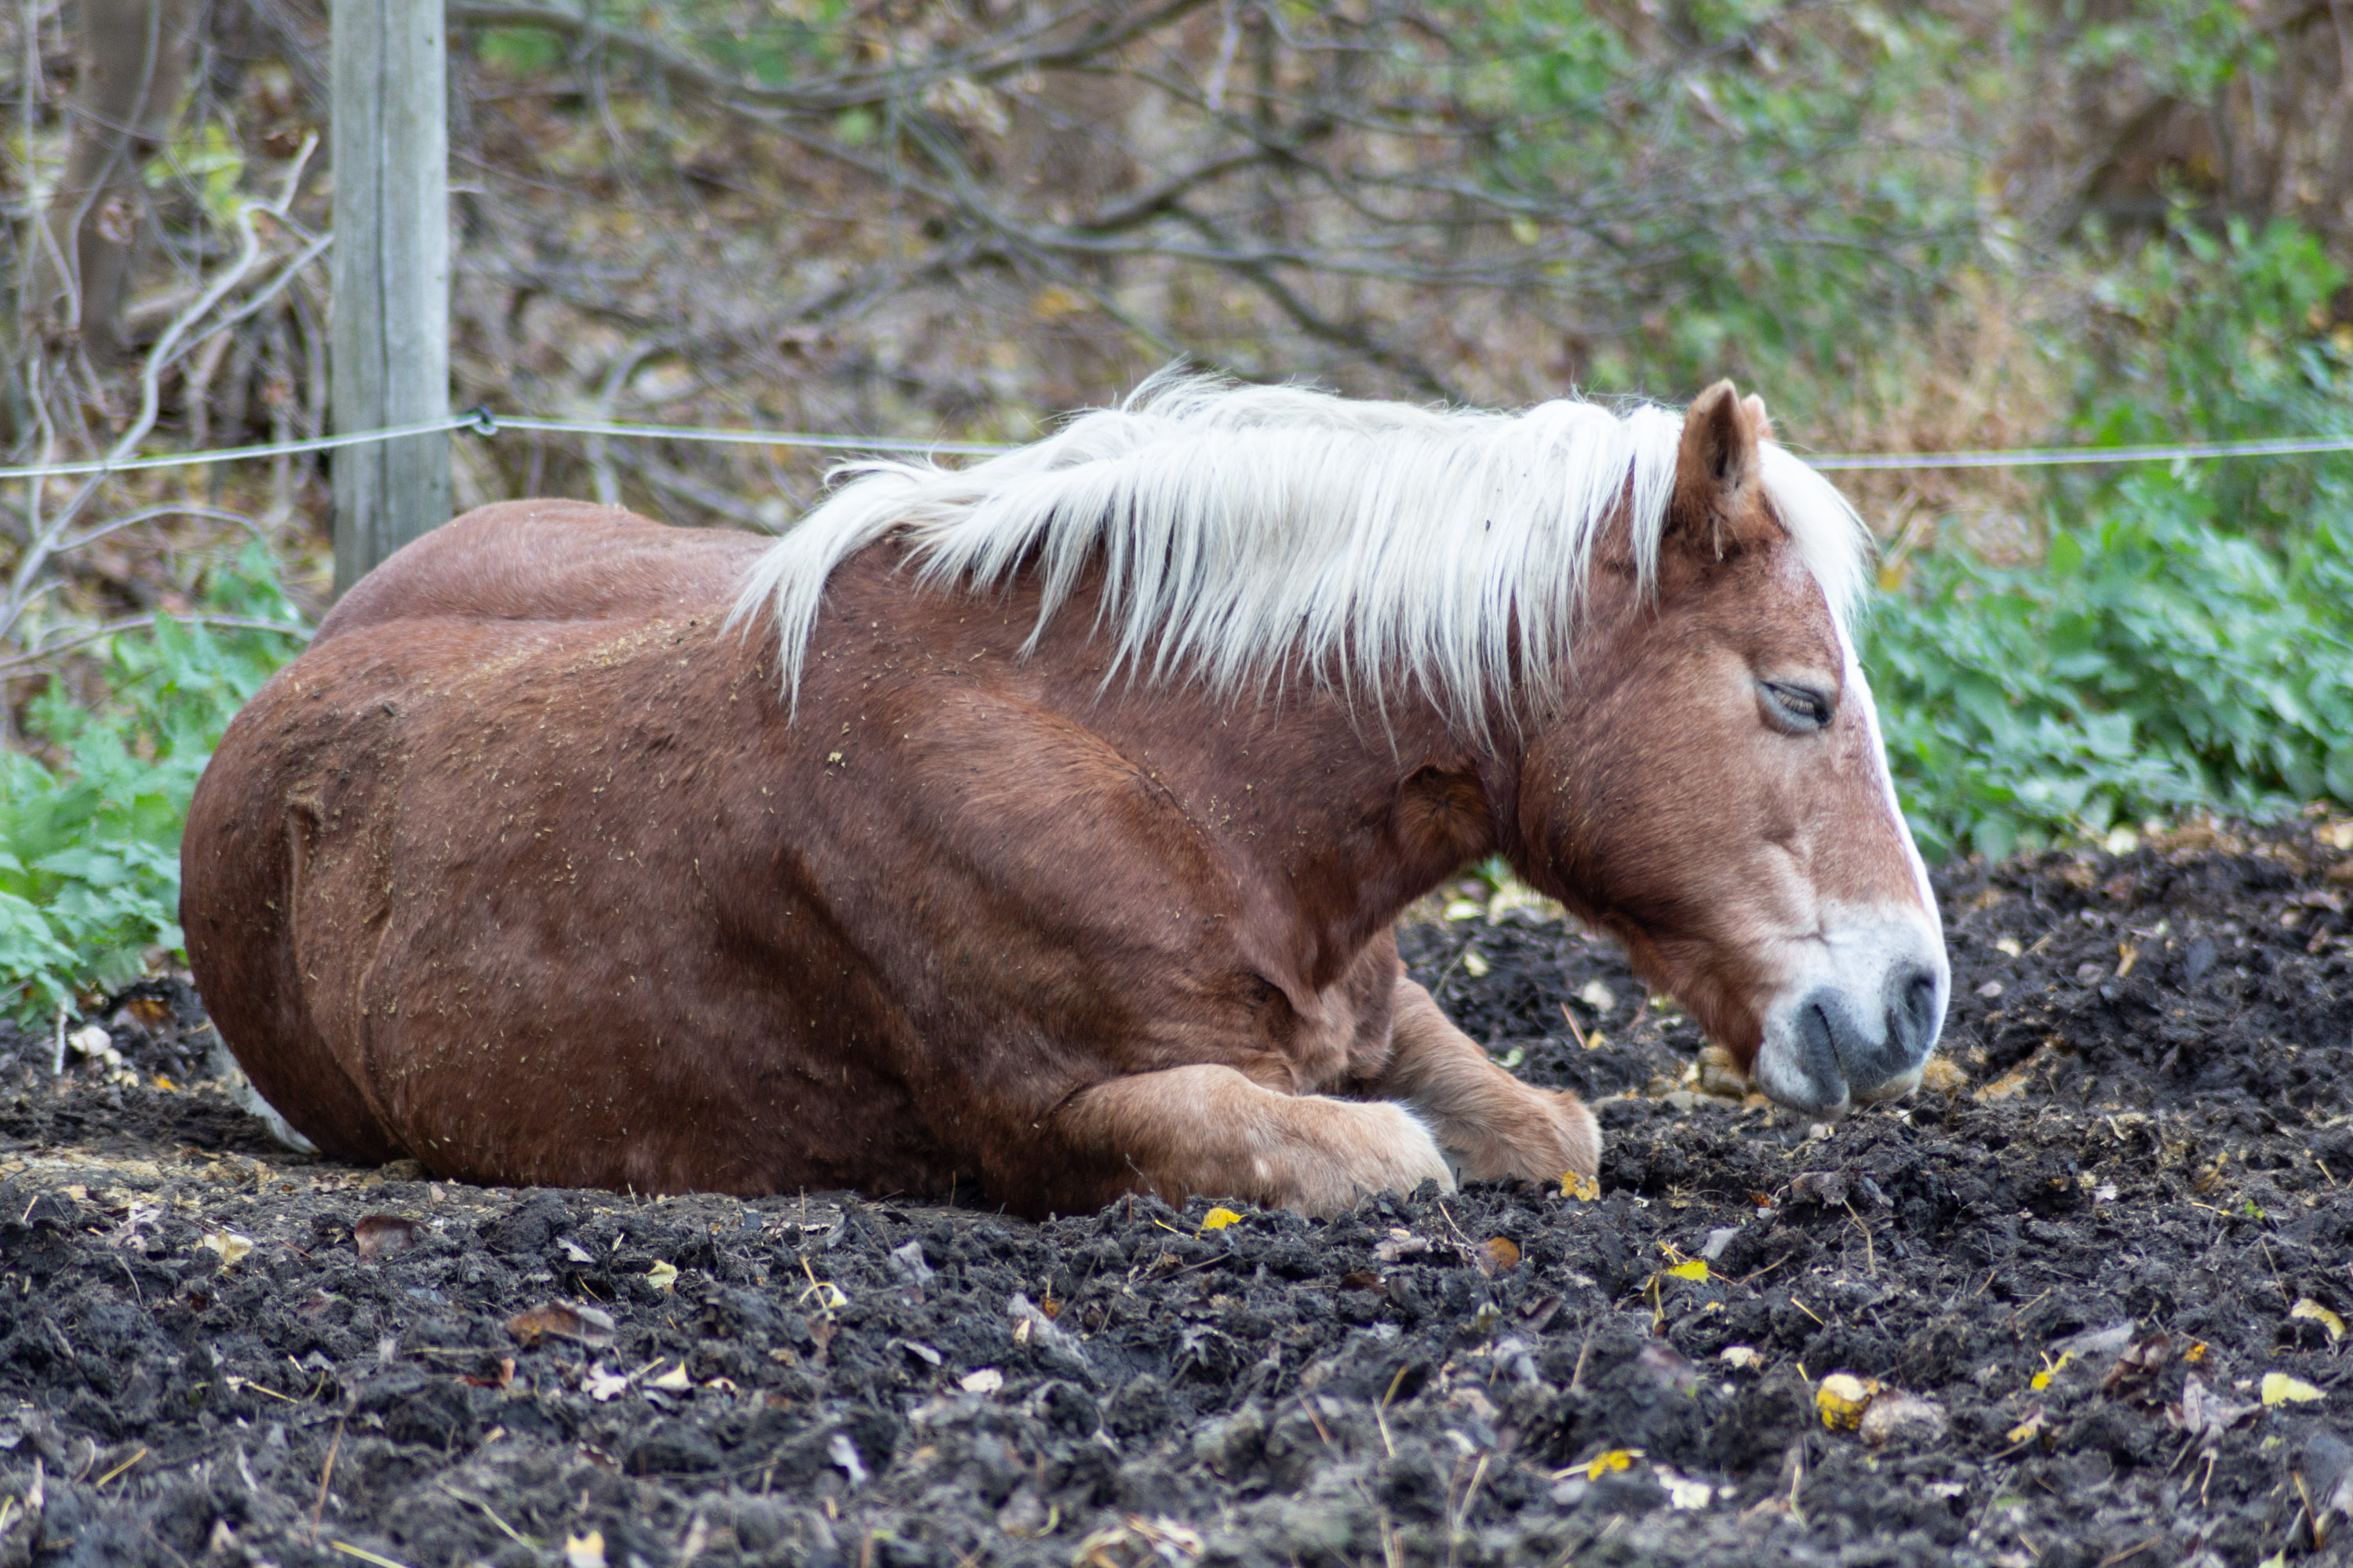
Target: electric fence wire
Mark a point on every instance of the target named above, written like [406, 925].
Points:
[483, 422]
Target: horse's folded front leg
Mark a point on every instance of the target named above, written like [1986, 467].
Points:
[1493, 1124]
[1209, 1130]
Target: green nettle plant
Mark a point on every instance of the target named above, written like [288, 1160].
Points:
[89, 848]
[2187, 641]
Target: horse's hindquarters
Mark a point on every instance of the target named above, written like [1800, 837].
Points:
[487, 895]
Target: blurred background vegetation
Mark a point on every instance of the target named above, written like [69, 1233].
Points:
[1914, 228]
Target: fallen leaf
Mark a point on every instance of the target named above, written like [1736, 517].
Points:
[2041, 1379]
[1584, 1189]
[1500, 1255]
[2279, 1388]
[1607, 1463]
[1217, 1219]
[382, 1236]
[1682, 1493]
[2308, 1308]
[1744, 1357]
[1473, 965]
[1843, 1398]
[2203, 1412]
[675, 1380]
[231, 1247]
[1361, 1279]
[552, 1319]
[1690, 1268]
[2141, 1361]
[585, 1551]
[2029, 1429]
[601, 1385]
[981, 1380]
[662, 1276]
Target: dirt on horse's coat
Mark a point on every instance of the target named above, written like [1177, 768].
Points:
[533, 870]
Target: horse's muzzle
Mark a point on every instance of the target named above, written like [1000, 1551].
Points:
[1862, 1031]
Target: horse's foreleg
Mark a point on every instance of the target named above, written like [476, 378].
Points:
[1489, 1121]
[1211, 1130]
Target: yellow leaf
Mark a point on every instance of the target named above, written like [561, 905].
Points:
[1584, 1189]
[1217, 1219]
[231, 1247]
[1697, 1268]
[1604, 1464]
[2308, 1308]
[2196, 1352]
[2041, 1379]
[675, 1380]
[662, 1276]
[1843, 1398]
[1472, 964]
[2279, 1388]
[2029, 1428]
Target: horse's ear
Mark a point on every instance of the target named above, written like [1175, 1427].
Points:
[1716, 503]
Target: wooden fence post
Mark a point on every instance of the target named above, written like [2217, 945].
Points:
[391, 303]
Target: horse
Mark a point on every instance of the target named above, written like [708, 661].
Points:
[1040, 826]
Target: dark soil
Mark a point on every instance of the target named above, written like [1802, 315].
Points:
[2132, 1189]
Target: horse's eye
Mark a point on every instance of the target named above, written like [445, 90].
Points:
[1797, 710]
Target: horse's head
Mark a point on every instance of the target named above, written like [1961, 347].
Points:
[1713, 792]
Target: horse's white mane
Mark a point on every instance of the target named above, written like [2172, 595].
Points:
[1240, 528]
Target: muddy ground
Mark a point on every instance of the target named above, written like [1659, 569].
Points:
[2075, 1268]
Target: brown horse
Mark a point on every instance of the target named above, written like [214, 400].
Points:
[1056, 841]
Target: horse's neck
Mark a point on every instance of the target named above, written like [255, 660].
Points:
[1332, 816]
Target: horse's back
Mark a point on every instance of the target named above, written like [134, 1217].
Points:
[548, 560]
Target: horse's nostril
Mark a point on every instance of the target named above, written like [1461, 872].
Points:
[1911, 1022]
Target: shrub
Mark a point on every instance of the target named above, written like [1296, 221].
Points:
[2187, 640]
[89, 877]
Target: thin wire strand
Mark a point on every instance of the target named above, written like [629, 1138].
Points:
[490, 425]
[2056, 457]
[469, 420]
[482, 422]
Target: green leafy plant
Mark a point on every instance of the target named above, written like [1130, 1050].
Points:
[89, 874]
[2187, 639]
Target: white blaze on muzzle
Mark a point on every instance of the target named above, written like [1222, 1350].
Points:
[1858, 1013]
[1862, 1002]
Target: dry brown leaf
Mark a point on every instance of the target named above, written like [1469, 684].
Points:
[2203, 1412]
[554, 1319]
[382, 1236]
[1499, 1254]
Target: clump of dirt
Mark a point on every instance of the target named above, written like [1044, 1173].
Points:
[2081, 1303]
